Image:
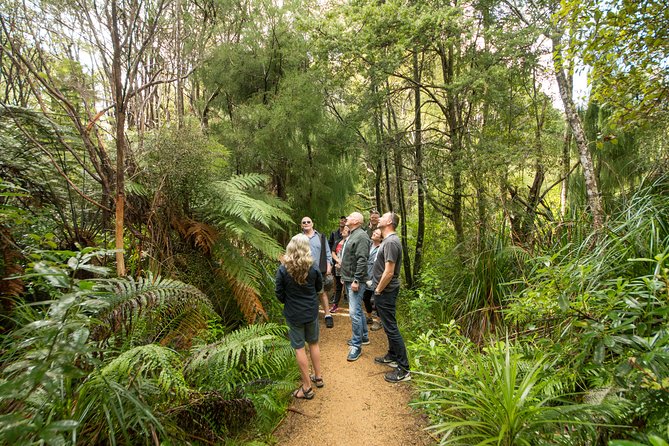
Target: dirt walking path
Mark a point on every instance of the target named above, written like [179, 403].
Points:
[356, 406]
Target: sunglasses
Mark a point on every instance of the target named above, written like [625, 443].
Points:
[306, 222]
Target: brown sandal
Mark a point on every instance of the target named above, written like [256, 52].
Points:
[307, 394]
[318, 381]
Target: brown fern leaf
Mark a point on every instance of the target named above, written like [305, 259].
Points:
[247, 299]
[182, 331]
[203, 235]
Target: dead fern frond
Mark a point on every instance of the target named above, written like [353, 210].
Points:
[247, 299]
[203, 235]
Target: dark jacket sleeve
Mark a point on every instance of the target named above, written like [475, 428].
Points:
[319, 282]
[280, 285]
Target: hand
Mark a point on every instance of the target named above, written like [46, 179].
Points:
[355, 286]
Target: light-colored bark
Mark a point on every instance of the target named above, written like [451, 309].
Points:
[591, 187]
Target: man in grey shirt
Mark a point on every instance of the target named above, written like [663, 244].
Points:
[386, 283]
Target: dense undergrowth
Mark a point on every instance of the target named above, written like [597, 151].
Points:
[134, 361]
[572, 341]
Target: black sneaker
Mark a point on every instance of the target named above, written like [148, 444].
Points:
[329, 321]
[385, 360]
[397, 376]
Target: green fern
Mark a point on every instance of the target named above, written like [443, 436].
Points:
[256, 351]
[147, 365]
[124, 398]
[126, 300]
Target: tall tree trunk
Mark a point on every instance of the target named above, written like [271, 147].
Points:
[378, 151]
[386, 172]
[179, 65]
[119, 100]
[591, 187]
[455, 136]
[566, 151]
[406, 260]
[418, 145]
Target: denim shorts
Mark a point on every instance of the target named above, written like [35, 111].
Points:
[298, 334]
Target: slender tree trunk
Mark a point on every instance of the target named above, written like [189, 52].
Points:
[378, 130]
[591, 187]
[179, 65]
[566, 152]
[386, 171]
[566, 158]
[418, 145]
[119, 100]
[454, 133]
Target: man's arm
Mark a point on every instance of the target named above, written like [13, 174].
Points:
[328, 256]
[386, 277]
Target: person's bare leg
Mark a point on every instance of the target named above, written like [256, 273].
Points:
[325, 303]
[315, 353]
[303, 364]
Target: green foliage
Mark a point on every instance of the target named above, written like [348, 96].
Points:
[474, 296]
[57, 386]
[501, 400]
[625, 44]
[242, 356]
[255, 362]
[442, 351]
[168, 304]
[244, 215]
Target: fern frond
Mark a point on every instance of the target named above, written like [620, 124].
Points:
[203, 235]
[149, 363]
[235, 198]
[256, 351]
[248, 299]
[128, 299]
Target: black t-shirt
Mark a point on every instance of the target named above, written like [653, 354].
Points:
[389, 251]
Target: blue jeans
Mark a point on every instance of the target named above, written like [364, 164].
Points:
[358, 321]
[386, 306]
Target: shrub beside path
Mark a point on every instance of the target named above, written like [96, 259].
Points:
[356, 406]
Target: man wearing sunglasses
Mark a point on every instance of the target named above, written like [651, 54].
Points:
[320, 251]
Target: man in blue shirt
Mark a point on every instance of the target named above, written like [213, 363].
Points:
[322, 262]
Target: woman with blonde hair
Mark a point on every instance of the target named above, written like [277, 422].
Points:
[297, 286]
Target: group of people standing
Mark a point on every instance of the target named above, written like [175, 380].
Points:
[366, 264]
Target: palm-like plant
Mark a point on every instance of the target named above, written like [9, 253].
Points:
[502, 401]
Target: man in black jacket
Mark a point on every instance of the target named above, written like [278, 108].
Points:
[354, 276]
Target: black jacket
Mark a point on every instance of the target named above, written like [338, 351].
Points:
[300, 301]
